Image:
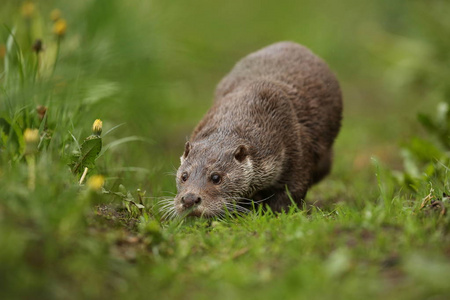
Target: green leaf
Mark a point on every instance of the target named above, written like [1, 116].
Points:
[76, 141]
[89, 152]
[423, 150]
[409, 164]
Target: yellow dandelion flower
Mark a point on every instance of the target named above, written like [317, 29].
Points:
[31, 138]
[60, 27]
[95, 182]
[97, 127]
[55, 15]
[28, 9]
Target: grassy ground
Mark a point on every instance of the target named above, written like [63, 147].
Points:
[377, 227]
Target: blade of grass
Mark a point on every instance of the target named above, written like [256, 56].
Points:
[122, 141]
[114, 128]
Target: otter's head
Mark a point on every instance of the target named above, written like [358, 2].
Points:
[212, 178]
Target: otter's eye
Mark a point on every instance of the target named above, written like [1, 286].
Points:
[184, 176]
[215, 178]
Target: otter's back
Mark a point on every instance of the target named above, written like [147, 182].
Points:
[311, 85]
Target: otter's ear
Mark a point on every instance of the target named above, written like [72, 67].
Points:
[241, 153]
[187, 148]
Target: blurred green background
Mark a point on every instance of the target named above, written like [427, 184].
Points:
[154, 65]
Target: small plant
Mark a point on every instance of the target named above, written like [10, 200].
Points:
[426, 159]
[439, 124]
[31, 137]
[132, 205]
[84, 157]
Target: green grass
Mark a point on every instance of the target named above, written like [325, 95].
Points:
[375, 228]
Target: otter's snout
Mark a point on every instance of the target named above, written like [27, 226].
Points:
[190, 200]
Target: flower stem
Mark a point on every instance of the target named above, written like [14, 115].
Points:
[83, 176]
[31, 161]
[58, 45]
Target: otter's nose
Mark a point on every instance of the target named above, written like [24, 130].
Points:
[190, 199]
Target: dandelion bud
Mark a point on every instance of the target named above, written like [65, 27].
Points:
[55, 15]
[37, 46]
[60, 27]
[97, 127]
[31, 137]
[28, 9]
[41, 111]
[95, 182]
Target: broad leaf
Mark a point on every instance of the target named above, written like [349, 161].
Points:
[89, 152]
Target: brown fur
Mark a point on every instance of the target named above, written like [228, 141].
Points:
[272, 125]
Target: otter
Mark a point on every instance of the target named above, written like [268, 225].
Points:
[266, 139]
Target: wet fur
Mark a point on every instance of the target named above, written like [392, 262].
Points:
[282, 107]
